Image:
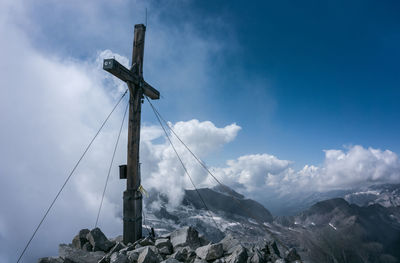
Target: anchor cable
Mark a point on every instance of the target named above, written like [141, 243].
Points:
[212, 175]
[111, 163]
[69, 176]
[183, 165]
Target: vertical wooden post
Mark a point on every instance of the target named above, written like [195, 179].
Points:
[132, 210]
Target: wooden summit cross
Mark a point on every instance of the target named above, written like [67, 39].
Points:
[132, 210]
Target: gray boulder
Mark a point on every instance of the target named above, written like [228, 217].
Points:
[127, 249]
[87, 247]
[71, 254]
[164, 246]
[140, 249]
[167, 235]
[180, 255]
[148, 256]
[274, 248]
[239, 255]
[291, 255]
[50, 260]
[203, 240]
[229, 243]
[170, 260]
[80, 239]
[199, 260]
[187, 236]
[132, 256]
[258, 257]
[119, 258]
[98, 240]
[147, 241]
[210, 252]
[117, 247]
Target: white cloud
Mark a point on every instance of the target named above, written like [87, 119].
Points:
[162, 168]
[359, 166]
[49, 107]
[259, 176]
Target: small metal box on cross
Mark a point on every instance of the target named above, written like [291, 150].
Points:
[132, 199]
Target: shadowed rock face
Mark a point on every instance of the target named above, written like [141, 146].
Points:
[229, 202]
[336, 231]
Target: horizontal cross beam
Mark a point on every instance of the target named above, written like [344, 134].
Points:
[114, 67]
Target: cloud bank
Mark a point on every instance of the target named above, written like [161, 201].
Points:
[261, 175]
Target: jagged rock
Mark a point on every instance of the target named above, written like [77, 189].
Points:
[190, 257]
[87, 247]
[275, 249]
[140, 249]
[117, 247]
[180, 255]
[266, 249]
[71, 254]
[50, 260]
[132, 256]
[257, 257]
[119, 258]
[210, 252]
[229, 243]
[98, 240]
[239, 255]
[203, 240]
[167, 235]
[147, 241]
[199, 260]
[127, 249]
[184, 254]
[164, 246]
[291, 255]
[185, 243]
[170, 260]
[80, 239]
[187, 236]
[279, 260]
[148, 256]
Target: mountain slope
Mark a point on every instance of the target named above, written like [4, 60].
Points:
[230, 204]
[328, 231]
[336, 231]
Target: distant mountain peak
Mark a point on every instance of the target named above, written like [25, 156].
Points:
[223, 189]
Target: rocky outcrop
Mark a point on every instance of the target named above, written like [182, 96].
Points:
[210, 252]
[181, 246]
[187, 236]
[98, 240]
[229, 202]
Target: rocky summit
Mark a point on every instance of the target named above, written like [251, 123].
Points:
[182, 245]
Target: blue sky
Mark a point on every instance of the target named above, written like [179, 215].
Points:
[278, 97]
[297, 77]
